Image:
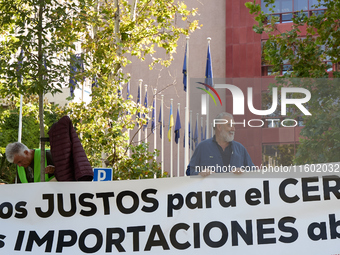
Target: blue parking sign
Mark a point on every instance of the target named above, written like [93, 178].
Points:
[102, 174]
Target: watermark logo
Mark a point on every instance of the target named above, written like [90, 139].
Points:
[204, 98]
[238, 99]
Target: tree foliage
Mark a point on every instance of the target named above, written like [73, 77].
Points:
[35, 46]
[119, 31]
[39, 38]
[311, 47]
[9, 125]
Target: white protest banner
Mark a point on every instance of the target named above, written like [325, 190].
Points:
[173, 216]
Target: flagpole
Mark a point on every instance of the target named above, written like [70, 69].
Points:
[20, 126]
[20, 120]
[155, 136]
[207, 120]
[162, 123]
[202, 133]
[186, 145]
[171, 145]
[178, 142]
[139, 106]
[20, 129]
[146, 115]
[191, 129]
[21, 98]
[128, 131]
[197, 128]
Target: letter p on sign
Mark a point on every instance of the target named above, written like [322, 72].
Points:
[102, 174]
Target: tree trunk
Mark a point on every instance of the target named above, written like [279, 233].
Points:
[133, 10]
[41, 90]
[117, 35]
[42, 135]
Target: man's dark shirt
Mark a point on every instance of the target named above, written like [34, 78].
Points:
[226, 153]
[209, 154]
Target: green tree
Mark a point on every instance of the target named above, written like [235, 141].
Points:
[39, 36]
[119, 31]
[9, 125]
[37, 39]
[310, 56]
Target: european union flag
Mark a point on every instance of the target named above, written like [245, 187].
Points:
[205, 132]
[138, 103]
[146, 106]
[188, 135]
[94, 82]
[119, 90]
[76, 66]
[208, 69]
[153, 124]
[160, 121]
[177, 127]
[21, 57]
[196, 135]
[185, 70]
[128, 91]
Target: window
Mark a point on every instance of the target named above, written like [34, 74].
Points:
[278, 154]
[300, 121]
[337, 67]
[286, 17]
[273, 123]
[286, 5]
[314, 3]
[275, 119]
[268, 70]
[318, 12]
[286, 9]
[286, 68]
[301, 5]
[267, 102]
